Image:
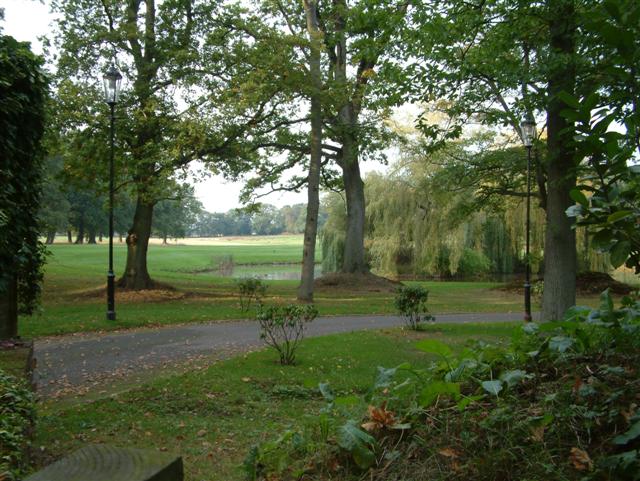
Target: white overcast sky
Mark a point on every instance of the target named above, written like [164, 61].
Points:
[26, 20]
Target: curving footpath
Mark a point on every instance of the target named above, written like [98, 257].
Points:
[69, 362]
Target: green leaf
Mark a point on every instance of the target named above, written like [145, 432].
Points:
[513, 377]
[492, 387]
[351, 437]
[579, 197]
[630, 435]
[569, 99]
[434, 389]
[326, 392]
[619, 253]
[618, 215]
[606, 304]
[560, 343]
[463, 403]
[433, 346]
[574, 211]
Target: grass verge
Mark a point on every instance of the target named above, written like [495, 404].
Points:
[214, 414]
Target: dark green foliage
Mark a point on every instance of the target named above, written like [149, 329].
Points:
[23, 92]
[251, 290]
[17, 412]
[558, 403]
[282, 327]
[612, 210]
[411, 303]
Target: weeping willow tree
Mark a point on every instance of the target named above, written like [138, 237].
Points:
[430, 216]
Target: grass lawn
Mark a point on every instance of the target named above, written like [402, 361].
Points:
[213, 415]
[73, 302]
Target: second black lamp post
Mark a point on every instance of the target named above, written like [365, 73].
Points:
[528, 131]
[111, 80]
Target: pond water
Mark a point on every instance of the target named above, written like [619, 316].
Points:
[271, 272]
[291, 272]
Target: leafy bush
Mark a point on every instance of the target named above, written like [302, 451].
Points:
[560, 402]
[251, 290]
[411, 303]
[17, 412]
[282, 327]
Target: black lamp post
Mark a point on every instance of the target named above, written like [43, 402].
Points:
[528, 131]
[111, 81]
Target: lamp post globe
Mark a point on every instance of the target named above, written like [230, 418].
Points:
[111, 82]
[528, 133]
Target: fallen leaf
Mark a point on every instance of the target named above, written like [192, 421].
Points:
[537, 434]
[580, 459]
[246, 379]
[202, 432]
[449, 453]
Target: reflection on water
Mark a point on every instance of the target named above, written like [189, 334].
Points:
[272, 272]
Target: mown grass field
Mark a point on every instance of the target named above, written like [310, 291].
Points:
[74, 299]
[213, 415]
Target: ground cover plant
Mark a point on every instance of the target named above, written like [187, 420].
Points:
[17, 414]
[560, 402]
[213, 414]
[73, 293]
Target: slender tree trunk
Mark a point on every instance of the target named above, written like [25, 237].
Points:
[51, 237]
[91, 237]
[164, 239]
[100, 237]
[560, 263]
[9, 310]
[136, 275]
[305, 291]
[69, 237]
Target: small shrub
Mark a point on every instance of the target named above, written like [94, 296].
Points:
[473, 264]
[411, 302]
[282, 327]
[17, 412]
[251, 290]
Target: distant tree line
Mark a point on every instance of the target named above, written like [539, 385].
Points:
[80, 212]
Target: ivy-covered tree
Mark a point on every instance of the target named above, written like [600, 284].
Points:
[23, 94]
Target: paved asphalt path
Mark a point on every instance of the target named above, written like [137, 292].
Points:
[69, 362]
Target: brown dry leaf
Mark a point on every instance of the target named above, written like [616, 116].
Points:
[580, 460]
[379, 417]
[370, 426]
[628, 414]
[201, 433]
[449, 453]
[537, 434]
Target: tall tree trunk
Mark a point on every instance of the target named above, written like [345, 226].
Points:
[91, 237]
[560, 263]
[136, 276]
[353, 261]
[354, 253]
[9, 310]
[69, 237]
[305, 291]
[80, 236]
[100, 237]
[164, 239]
[51, 237]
